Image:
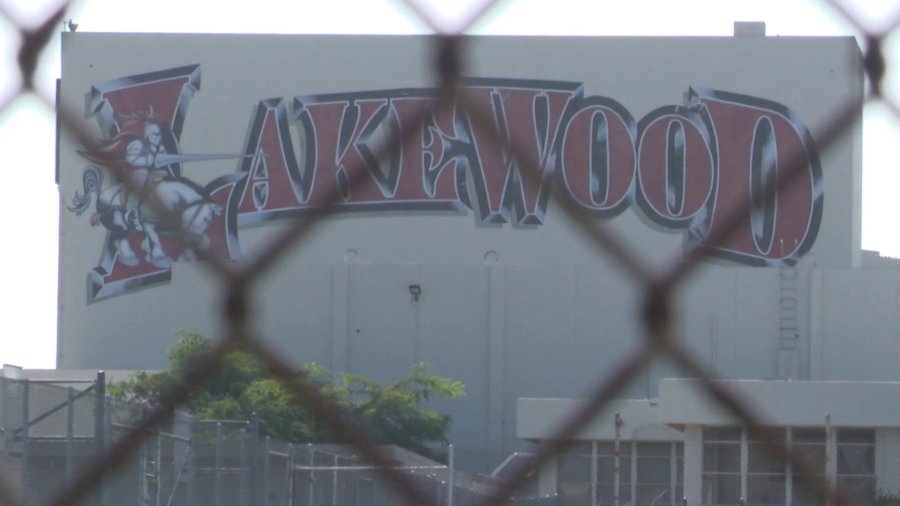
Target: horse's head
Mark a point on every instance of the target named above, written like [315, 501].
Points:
[197, 218]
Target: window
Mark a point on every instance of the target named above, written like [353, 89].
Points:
[574, 475]
[658, 478]
[765, 473]
[648, 474]
[810, 446]
[722, 466]
[736, 465]
[856, 464]
[606, 473]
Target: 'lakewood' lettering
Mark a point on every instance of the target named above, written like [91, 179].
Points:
[686, 167]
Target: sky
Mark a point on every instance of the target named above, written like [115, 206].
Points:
[29, 206]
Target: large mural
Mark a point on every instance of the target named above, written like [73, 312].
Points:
[684, 167]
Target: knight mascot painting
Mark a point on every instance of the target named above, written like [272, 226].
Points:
[149, 197]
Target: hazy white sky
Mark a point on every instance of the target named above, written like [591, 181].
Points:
[29, 207]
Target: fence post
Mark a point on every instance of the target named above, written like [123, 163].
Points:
[673, 472]
[4, 419]
[594, 471]
[243, 470]
[100, 429]
[254, 457]
[26, 435]
[217, 493]
[143, 481]
[265, 472]
[289, 476]
[617, 470]
[632, 470]
[789, 469]
[159, 483]
[334, 481]
[192, 449]
[70, 432]
[830, 460]
[450, 477]
[312, 477]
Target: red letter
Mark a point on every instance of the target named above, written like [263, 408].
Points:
[341, 131]
[597, 157]
[274, 181]
[530, 119]
[757, 141]
[676, 169]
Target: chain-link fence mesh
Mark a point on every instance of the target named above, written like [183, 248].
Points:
[190, 461]
[216, 456]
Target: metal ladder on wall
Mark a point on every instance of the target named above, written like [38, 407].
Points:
[788, 332]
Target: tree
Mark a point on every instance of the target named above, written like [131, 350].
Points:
[391, 414]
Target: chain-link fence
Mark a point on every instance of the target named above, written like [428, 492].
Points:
[163, 457]
[189, 461]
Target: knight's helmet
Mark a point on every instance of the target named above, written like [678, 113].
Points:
[153, 133]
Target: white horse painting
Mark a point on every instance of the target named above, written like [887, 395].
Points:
[172, 206]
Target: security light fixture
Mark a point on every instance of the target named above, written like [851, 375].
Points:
[415, 291]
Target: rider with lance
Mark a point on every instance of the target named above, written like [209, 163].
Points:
[142, 166]
[141, 174]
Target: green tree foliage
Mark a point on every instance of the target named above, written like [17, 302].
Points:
[391, 414]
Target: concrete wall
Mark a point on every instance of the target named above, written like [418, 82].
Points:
[786, 403]
[859, 324]
[507, 332]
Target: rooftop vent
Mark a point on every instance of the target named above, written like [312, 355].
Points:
[749, 28]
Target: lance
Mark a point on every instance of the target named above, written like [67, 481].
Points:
[164, 159]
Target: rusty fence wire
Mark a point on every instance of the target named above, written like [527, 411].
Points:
[658, 286]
